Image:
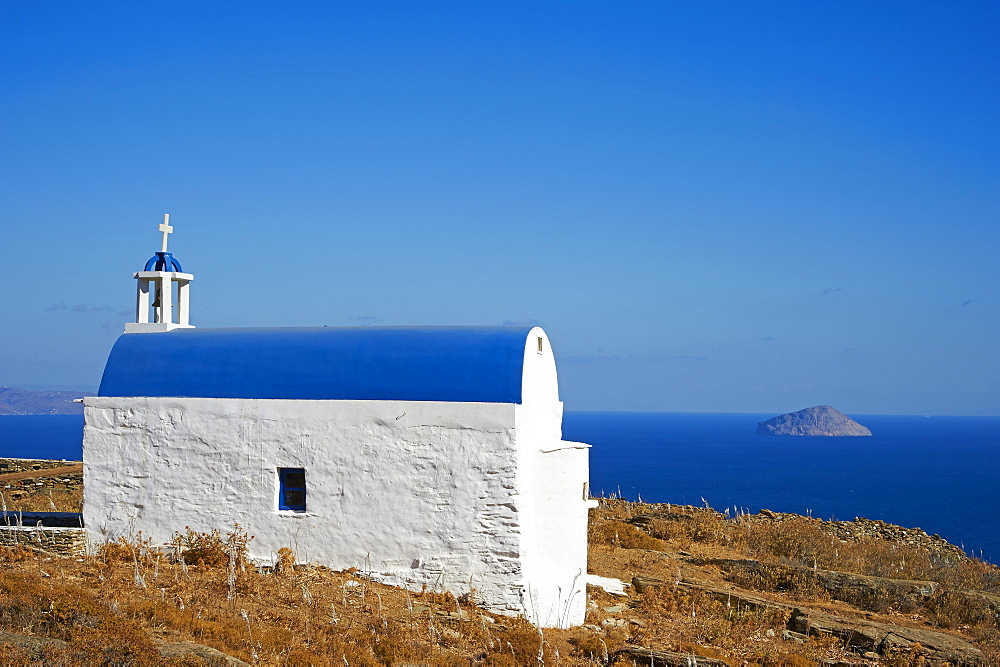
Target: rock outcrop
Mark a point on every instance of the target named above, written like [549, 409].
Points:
[646, 656]
[858, 634]
[818, 420]
[184, 652]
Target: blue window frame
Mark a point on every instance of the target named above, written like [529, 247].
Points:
[292, 489]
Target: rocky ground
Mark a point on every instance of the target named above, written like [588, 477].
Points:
[697, 588]
[785, 589]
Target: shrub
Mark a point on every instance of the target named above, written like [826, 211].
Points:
[212, 549]
[621, 534]
[285, 561]
[117, 642]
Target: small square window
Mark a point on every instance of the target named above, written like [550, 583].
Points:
[292, 489]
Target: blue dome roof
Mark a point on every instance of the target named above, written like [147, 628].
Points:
[462, 364]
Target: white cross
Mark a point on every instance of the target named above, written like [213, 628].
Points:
[166, 229]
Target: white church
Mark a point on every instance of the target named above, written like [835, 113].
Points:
[423, 456]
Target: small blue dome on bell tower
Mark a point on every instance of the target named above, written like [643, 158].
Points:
[163, 261]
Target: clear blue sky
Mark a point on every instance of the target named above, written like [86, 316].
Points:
[709, 206]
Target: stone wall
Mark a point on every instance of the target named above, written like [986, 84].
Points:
[862, 529]
[62, 541]
[24, 465]
[22, 477]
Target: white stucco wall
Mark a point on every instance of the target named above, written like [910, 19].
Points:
[481, 497]
[435, 494]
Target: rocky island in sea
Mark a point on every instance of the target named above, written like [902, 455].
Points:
[818, 420]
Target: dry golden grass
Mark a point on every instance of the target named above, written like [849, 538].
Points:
[48, 500]
[111, 606]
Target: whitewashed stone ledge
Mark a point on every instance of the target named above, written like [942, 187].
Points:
[42, 519]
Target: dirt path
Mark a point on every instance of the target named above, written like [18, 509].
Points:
[45, 472]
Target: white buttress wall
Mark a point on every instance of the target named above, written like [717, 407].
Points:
[552, 480]
[553, 475]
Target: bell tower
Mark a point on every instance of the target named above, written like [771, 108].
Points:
[162, 279]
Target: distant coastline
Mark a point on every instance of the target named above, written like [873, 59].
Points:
[15, 401]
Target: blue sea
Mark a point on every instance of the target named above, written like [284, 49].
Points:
[936, 473]
[41, 437]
